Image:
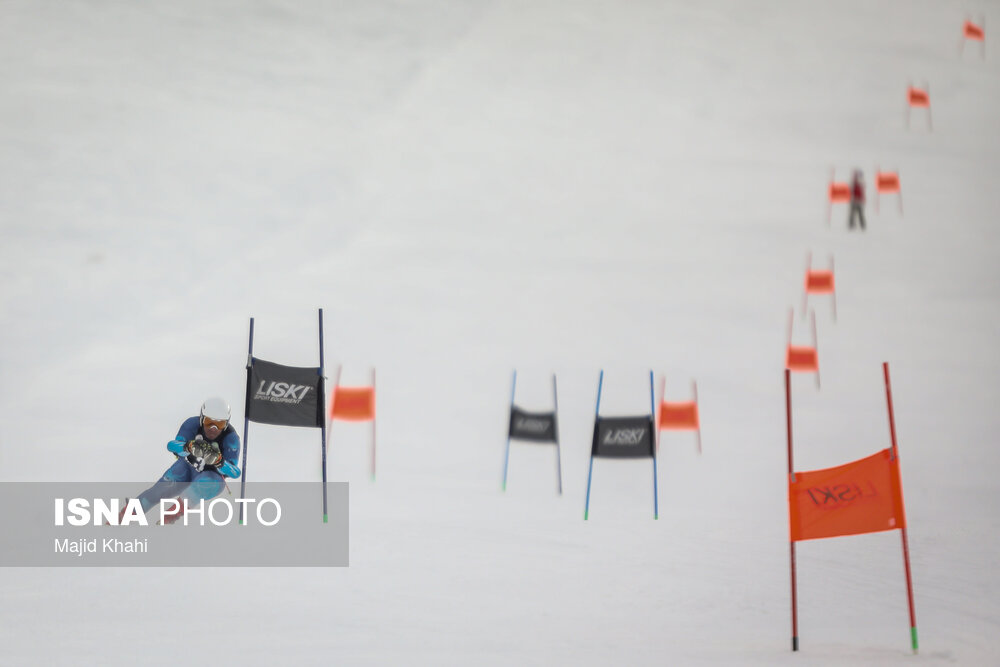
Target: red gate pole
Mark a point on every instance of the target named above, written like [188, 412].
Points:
[694, 387]
[930, 117]
[833, 294]
[878, 190]
[815, 345]
[906, 548]
[375, 398]
[791, 542]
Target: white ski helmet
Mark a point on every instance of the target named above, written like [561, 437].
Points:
[215, 408]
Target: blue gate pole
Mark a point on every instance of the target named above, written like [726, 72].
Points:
[506, 455]
[246, 425]
[597, 416]
[555, 402]
[652, 420]
[322, 408]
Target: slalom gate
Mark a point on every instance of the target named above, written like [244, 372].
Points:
[863, 496]
[285, 396]
[802, 358]
[919, 98]
[678, 415]
[837, 192]
[534, 427]
[354, 404]
[887, 183]
[974, 32]
[623, 437]
[819, 282]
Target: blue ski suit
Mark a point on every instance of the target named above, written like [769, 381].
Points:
[184, 481]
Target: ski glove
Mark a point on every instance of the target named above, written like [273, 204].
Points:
[227, 469]
[204, 454]
[177, 446]
[196, 463]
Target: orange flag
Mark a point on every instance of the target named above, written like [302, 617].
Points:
[864, 496]
[887, 182]
[973, 31]
[801, 359]
[353, 404]
[679, 416]
[918, 97]
[819, 281]
[839, 193]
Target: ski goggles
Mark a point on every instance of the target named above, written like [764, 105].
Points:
[217, 423]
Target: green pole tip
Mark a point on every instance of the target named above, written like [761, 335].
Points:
[586, 514]
[326, 519]
[913, 638]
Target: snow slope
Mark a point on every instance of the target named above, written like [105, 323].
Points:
[470, 188]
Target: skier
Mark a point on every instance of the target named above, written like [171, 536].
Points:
[207, 449]
[857, 200]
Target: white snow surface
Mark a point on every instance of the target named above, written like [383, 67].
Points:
[472, 188]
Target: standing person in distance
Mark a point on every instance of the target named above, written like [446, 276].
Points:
[857, 200]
